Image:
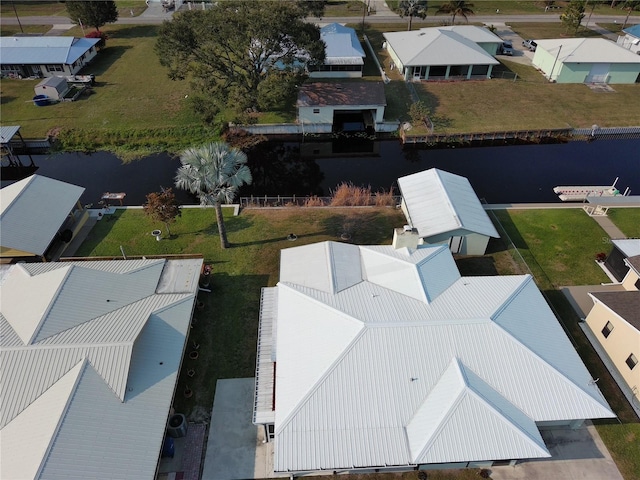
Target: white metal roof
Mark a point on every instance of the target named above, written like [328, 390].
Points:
[44, 49]
[437, 46]
[341, 45]
[439, 202]
[629, 246]
[92, 385]
[32, 211]
[371, 376]
[474, 33]
[586, 50]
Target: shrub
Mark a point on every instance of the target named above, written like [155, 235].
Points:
[101, 35]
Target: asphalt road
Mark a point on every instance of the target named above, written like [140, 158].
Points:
[488, 19]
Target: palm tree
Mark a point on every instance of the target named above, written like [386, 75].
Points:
[214, 172]
[459, 7]
[412, 8]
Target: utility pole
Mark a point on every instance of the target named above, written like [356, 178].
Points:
[593, 5]
[554, 64]
[18, 18]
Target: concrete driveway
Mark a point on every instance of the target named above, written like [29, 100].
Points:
[576, 454]
[520, 54]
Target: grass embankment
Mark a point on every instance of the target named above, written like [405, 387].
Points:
[559, 246]
[227, 327]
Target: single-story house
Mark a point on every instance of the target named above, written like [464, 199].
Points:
[344, 56]
[623, 262]
[90, 354]
[45, 56]
[614, 322]
[37, 213]
[443, 53]
[375, 358]
[52, 87]
[631, 39]
[345, 106]
[444, 208]
[586, 60]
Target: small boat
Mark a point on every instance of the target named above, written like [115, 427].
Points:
[580, 193]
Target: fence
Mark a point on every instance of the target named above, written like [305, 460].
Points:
[312, 201]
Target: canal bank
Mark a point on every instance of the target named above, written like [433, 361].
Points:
[513, 174]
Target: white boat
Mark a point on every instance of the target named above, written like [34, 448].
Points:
[580, 193]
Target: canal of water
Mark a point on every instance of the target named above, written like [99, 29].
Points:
[504, 174]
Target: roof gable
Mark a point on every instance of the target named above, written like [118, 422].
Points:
[463, 406]
[23, 456]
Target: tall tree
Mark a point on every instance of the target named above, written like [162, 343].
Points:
[412, 8]
[573, 15]
[455, 8]
[214, 172]
[225, 51]
[95, 13]
[162, 207]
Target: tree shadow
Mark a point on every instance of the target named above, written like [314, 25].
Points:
[476, 266]
[6, 99]
[104, 60]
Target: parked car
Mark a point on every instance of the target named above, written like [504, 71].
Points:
[506, 48]
[530, 44]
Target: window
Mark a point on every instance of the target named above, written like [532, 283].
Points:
[631, 361]
[316, 110]
[608, 328]
[55, 68]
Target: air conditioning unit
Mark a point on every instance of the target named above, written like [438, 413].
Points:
[177, 426]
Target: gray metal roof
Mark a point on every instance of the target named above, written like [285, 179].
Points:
[437, 46]
[341, 45]
[439, 202]
[8, 132]
[95, 391]
[357, 94]
[32, 211]
[373, 375]
[44, 50]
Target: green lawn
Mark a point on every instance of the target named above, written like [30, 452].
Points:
[623, 442]
[627, 220]
[549, 30]
[227, 327]
[10, 30]
[134, 106]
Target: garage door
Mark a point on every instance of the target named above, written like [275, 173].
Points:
[599, 73]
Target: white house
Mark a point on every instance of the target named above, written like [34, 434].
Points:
[35, 213]
[344, 56]
[586, 60]
[345, 106]
[45, 56]
[631, 39]
[444, 208]
[89, 358]
[372, 358]
[443, 53]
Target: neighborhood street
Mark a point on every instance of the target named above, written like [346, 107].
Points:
[156, 16]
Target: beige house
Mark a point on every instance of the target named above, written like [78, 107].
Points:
[614, 320]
